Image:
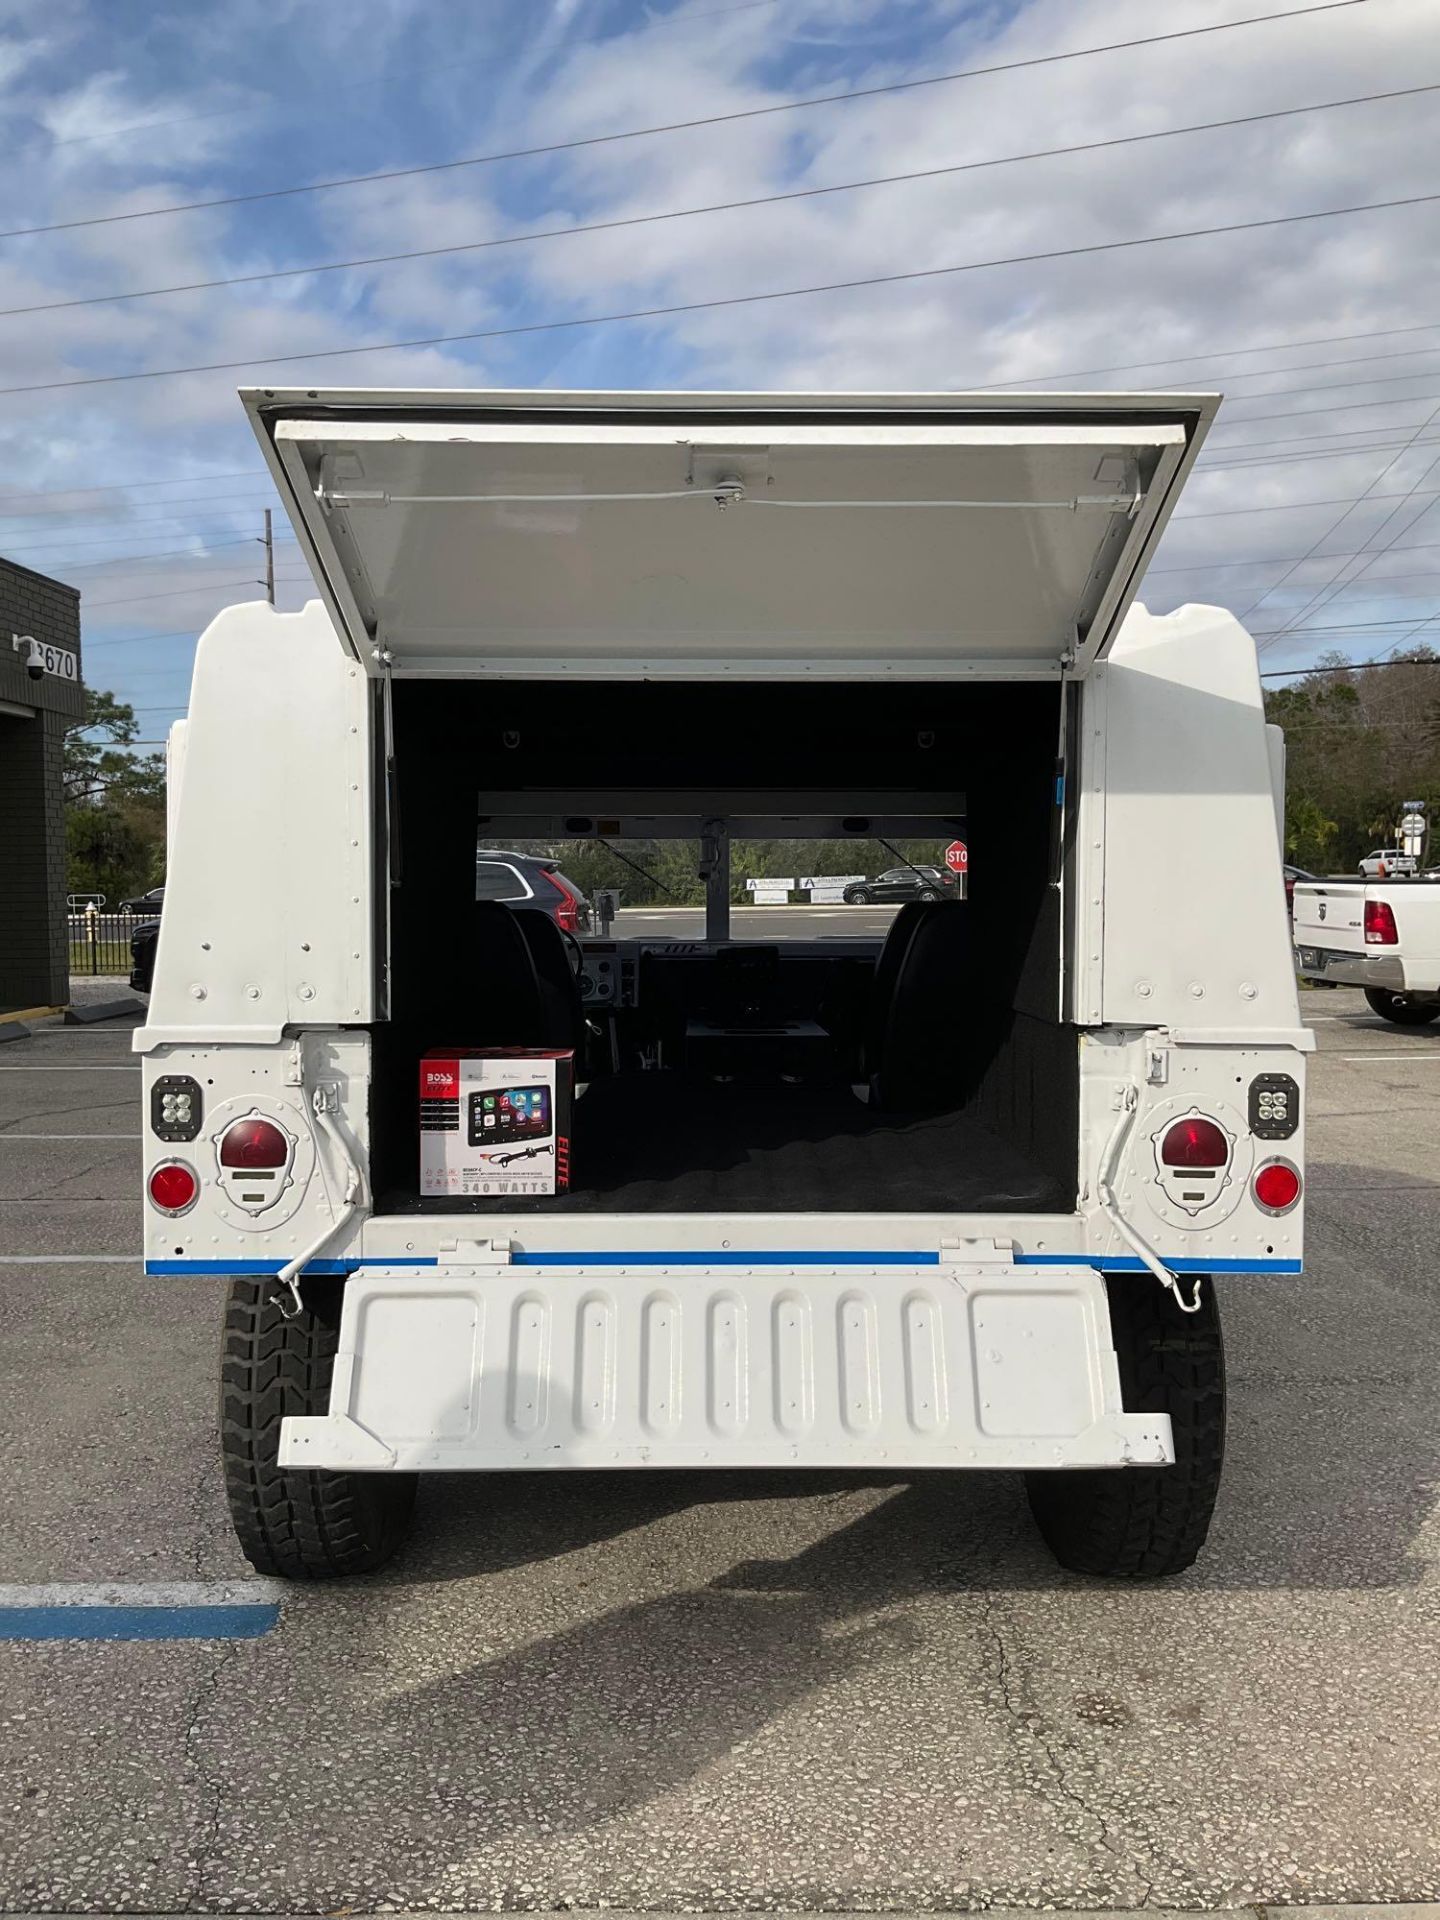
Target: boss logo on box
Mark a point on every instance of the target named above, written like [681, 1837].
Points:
[439, 1080]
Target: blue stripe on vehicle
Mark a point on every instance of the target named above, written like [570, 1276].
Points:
[729, 1257]
[1130, 1263]
[137, 1623]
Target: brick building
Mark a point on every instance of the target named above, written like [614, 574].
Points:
[34, 712]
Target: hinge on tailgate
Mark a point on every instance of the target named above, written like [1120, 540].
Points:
[1000, 1253]
[489, 1253]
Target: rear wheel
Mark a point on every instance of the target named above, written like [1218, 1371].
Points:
[1141, 1523]
[302, 1525]
[929, 893]
[1400, 1010]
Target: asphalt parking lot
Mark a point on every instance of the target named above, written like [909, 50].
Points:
[703, 1692]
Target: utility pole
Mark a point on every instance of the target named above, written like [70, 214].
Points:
[269, 560]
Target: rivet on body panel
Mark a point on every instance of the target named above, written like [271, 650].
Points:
[197, 992]
[1197, 992]
[252, 992]
[1248, 990]
[1143, 989]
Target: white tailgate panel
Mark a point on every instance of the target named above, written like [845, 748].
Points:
[495, 1367]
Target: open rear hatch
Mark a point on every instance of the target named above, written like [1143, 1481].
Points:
[540, 535]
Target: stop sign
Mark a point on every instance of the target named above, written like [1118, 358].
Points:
[957, 857]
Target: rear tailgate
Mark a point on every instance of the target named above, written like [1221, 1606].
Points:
[1330, 917]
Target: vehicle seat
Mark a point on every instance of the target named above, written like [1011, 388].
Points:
[916, 1038]
[563, 1014]
[484, 987]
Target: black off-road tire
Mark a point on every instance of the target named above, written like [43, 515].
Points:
[1142, 1523]
[310, 1524]
[1400, 1010]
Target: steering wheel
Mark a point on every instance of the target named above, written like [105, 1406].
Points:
[574, 951]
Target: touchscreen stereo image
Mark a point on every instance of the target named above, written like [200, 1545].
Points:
[508, 1113]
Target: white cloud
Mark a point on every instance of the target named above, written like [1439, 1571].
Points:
[574, 75]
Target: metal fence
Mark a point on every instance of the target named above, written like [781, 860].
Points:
[100, 941]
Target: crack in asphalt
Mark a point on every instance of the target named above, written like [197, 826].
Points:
[1029, 1721]
[207, 1842]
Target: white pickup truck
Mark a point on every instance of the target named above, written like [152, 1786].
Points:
[1382, 936]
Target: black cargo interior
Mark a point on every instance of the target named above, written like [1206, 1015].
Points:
[924, 1071]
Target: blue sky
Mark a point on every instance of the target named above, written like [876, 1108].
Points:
[148, 493]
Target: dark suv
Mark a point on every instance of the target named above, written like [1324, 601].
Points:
[901, 883]
[523, 880]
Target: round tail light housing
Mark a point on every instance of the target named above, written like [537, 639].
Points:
[173, 1187]
[1277, 1186]
[253, 1142]
[1194, 1142]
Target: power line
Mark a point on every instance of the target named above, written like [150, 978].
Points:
[1408, 494]
[133, 519]
[1324, 596]
[177, 593]
[1255, 373]
[1323, 386]
[1328, 407]
[1269, 346]
[1345, 626]
[679, 126]
[132, 486]
[119, 539]
[717, 206]
[172, 553]
[742, 299]
[1282, 559]
[1319, 453]
[140, 639]
[1291, 506]
[1355, 666]
[1295, 439]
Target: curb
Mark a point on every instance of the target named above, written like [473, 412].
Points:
[93, 1011]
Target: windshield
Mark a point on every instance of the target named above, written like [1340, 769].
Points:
[800, 888]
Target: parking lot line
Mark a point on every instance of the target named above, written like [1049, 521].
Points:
[70, 1259]
[1415, 1053]
[81, 1069]
[69, 1136]
[173, 1610]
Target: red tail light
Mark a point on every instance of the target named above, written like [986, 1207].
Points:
[1276, 1186]
[567, 914]
[253, 1143]
[173, 1187]
[1380, 929]
[1194, 1142]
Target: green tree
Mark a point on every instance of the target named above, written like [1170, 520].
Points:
[1359, 741]
[99, 763]
[115, 802]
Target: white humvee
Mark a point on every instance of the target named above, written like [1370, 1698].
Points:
[940, 1196]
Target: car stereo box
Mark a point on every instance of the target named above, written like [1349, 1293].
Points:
[495, 1121]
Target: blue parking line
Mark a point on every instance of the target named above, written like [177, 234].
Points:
[137, 1623]
[140, 1610]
